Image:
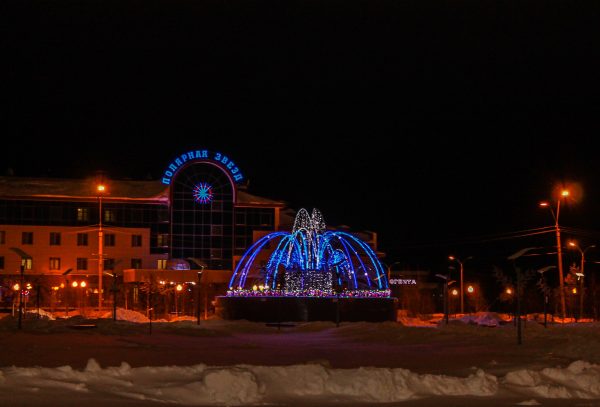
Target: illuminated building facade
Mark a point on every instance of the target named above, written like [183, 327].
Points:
[198, 214]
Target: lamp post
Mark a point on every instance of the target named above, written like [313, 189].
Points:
[21, 293]
[513, 258]
[581, 274]
[199, 273]
[100, 188]
[542, 271]
[462, 290]
[447, 283]
[563, 194]
[24, 257]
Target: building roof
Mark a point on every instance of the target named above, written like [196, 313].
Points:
[118, 190]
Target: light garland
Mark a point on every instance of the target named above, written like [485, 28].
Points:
[262, 292]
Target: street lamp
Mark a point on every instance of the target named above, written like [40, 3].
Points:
[542, 271]
[581, 274]
[513, 258]
[462, 290]
[563, 194]
[100, 189]
[24, 257]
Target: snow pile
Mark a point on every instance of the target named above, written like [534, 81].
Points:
[579, 380]
[242, 384]
[490, 319]
[43, 314]
[248, 384]
[127, 315]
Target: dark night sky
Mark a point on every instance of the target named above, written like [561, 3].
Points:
[431, 122]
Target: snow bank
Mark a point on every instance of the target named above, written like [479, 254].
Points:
[246, 384]
[579, 380]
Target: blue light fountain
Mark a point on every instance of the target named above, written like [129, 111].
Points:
[309, 262]
[308, 274]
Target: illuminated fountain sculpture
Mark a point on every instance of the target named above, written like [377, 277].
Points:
[309, 262]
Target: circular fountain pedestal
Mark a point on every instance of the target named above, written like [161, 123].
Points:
[284, 309]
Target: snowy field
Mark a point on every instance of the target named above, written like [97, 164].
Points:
[472, 361]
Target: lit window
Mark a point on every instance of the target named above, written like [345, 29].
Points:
[83, 214]
[54, 239]
[28, 263]
[161, 264]
[109, 215]
[54, 263]
[162, 240]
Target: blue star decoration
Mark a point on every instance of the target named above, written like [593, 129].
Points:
[203, 193]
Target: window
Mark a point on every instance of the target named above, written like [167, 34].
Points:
[109, 239]
[109, 264]
[82, 239]
[2, 236]
[27, 238]
[136, 263]
[109, 215]
[28, 263]
[216, 230]
[1, 262]
[240, 218]
[56, 213]
[216, 253]
[54, 263]
[266, 219]
[161, 264]
[54, 238]
[82, 263]
[136, 241]
[162, 240]
[83, 214]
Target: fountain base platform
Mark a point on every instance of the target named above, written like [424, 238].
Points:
[295, 309]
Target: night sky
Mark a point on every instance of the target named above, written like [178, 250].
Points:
[438, 124]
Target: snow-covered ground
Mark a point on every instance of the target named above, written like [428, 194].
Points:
[474, 360]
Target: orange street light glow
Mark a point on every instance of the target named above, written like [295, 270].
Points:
[179, 287]
[16, 287]
[543, 204]
[564, 192]
[455, 292]
[74, 284]
[83, 284]
[574, 290]
[508, 291]
[100, 188]
[470, 289]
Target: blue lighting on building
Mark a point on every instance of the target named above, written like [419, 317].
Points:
[203, 193]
